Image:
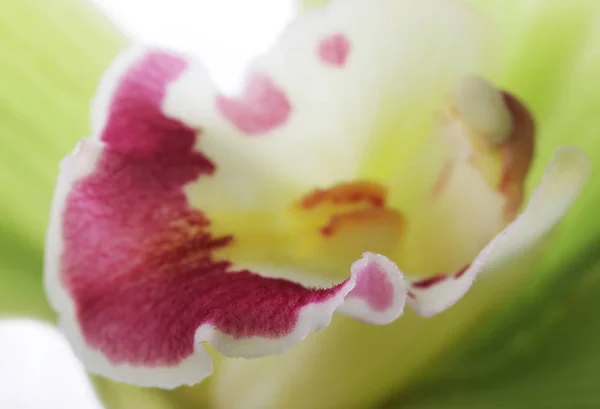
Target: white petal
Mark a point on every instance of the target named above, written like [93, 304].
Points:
[360, 79]
[563, 180]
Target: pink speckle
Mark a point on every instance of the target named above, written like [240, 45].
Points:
[461, 272]
[261, 107]
[374, 287]
[430, 282]
[334, 49]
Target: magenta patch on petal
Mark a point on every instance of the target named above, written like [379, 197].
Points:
[434, 294]
[374, 286]
[379, 294]
[262, 106]
[136, 125]
[429, 282]
[334, 50]
[137, 260]
[461, 272]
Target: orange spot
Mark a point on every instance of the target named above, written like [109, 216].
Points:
[347, 193]
[352, 210]
[344, 222]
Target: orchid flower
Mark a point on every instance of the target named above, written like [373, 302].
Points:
[362, 167]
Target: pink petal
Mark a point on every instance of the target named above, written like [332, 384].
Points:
[134, 271]
[380, 291]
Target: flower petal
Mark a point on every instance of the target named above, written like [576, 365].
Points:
[483, 150]
[137, 274]
[363, 85]
[380, 291]
[564, 179]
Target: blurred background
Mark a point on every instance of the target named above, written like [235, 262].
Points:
[540, 350]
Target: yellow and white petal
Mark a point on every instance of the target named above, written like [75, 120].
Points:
[473, 168]
[141, 278]
[366, 80]
[350, 91]
[158, 216]
[565, 177]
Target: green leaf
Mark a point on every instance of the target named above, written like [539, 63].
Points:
[542, 353]
[20, 272]
[51, 57]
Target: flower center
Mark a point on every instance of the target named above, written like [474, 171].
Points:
[462, 188]
[342, 222]
[432, 216]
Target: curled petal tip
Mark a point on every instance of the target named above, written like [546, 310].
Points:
[380, 291]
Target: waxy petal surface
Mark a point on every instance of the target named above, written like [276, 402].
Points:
[162, 218]
[565, 177]
[135, 272]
